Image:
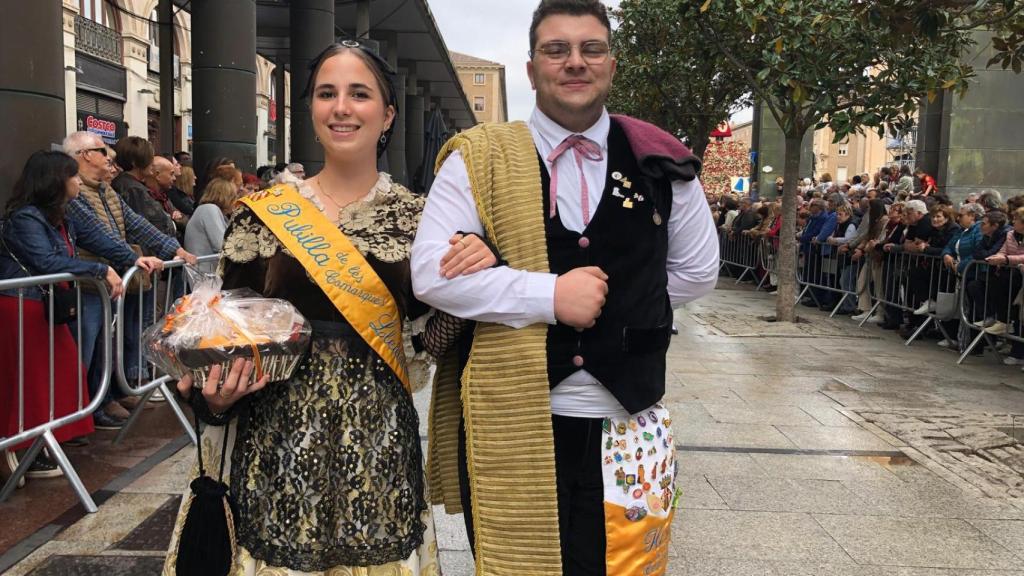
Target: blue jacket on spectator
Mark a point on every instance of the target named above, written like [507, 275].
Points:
[40, 247]
[827, 228]
[969, 240]
[991, 245]
[812, 230]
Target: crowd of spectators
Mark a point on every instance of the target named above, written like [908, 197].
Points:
[97, 210]
[893, 250]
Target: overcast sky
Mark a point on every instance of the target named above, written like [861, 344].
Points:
[498, 30]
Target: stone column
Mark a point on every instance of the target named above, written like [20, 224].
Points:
[974, 143]
[771, 152]
[138, 96]
[931, 123]
[224, 77]
[165, 15]
[312, 30]
[31, 85]
[70, 70]
[279, 91]
[396, 148]
[413, 128]
[363, 19]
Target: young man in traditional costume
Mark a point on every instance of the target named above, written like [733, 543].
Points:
[547, 429]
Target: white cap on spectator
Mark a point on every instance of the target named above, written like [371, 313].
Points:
[917, 206]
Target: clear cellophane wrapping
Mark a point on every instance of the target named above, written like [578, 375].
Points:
[213, 327]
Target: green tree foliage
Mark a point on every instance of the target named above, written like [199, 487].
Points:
[848, 64]
[669, 75]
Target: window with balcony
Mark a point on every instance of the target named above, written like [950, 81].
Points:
[96, 31]
[478, 103]
[99, 11]
[479, 79]
[844, 150]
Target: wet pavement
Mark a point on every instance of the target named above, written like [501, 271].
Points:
[815, 449]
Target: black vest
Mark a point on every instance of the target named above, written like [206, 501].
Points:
[628, 239]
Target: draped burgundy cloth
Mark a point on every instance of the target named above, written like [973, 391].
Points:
[660, 154]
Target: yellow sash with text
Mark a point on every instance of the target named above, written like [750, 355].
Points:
[338, 268]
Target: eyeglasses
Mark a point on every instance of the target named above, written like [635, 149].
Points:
[592, 51]
[100, 150]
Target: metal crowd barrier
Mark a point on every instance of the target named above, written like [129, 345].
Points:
[163, 296]
[42, 434]
[910, 280]
[768, 259]
[834, 272]
[737, 251]
[984, 294]
[990, 293]
[748, 253]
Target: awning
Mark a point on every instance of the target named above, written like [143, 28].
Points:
[420, 44]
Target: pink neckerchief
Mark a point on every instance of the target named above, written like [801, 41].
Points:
[582, 147]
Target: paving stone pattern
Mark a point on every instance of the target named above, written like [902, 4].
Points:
[815, 449]
[982, 449]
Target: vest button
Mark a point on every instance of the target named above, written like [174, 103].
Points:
[584, 242]
[577, 361]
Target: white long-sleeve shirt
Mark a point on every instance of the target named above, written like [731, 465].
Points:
[518, 298]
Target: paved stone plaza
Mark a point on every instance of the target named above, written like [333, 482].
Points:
[817, 449]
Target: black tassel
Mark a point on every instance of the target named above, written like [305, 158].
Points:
[207, 543]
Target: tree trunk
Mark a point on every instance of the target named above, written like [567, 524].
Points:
[787, 260]
[700, 145]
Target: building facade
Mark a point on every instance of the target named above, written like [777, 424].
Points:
[203, 76]
[853, 155]
[112, 76]
[484, 84]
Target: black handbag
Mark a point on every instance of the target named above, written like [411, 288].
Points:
[207, 543]
[65, 304]
[65, 300]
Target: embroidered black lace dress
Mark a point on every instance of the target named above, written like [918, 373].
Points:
[327, 466]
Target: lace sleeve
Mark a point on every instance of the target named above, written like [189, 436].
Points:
[441, 333]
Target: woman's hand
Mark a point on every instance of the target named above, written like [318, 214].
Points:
[468, 254]
[237, 385]
[114, 283]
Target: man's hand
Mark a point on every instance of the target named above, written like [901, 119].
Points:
[857, 255]
[114, 283]
[177, 216]
[150, 264]
[188, 257]
[579, 296]
[888, 247]
[948, 261]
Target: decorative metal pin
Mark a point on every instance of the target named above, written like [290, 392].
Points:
[627, 184]
[627, 203]
[617, 175]
[657, 218]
